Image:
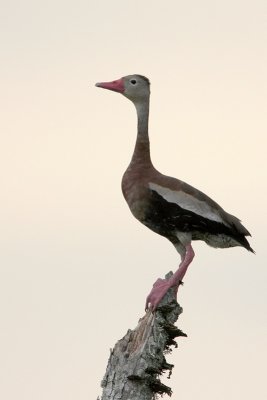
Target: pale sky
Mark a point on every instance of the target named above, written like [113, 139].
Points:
[75, 267]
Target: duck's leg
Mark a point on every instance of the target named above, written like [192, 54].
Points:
[161, 286]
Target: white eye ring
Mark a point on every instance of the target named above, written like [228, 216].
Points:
[133, 81]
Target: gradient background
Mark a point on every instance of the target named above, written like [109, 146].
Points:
[75, 266]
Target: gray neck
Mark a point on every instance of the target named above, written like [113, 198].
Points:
[141, 153]
[142, 109]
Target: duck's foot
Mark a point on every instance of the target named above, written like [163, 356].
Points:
[160, 288]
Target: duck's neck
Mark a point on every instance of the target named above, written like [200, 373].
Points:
[141, 154]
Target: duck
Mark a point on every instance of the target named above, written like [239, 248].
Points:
[166, 205]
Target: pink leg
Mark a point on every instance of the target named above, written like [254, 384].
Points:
[161, 286]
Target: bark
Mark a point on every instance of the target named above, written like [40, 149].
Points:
[138, 360]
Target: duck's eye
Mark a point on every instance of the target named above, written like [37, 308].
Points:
[133, 81]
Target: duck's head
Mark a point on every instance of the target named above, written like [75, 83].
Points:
[135, 87]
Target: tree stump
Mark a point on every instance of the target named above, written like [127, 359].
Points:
[138, 360]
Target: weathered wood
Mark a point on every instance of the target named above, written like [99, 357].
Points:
[138, 359]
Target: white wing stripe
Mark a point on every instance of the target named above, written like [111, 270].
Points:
[187, 202]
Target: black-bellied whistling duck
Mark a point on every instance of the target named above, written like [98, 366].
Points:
[166, 205]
